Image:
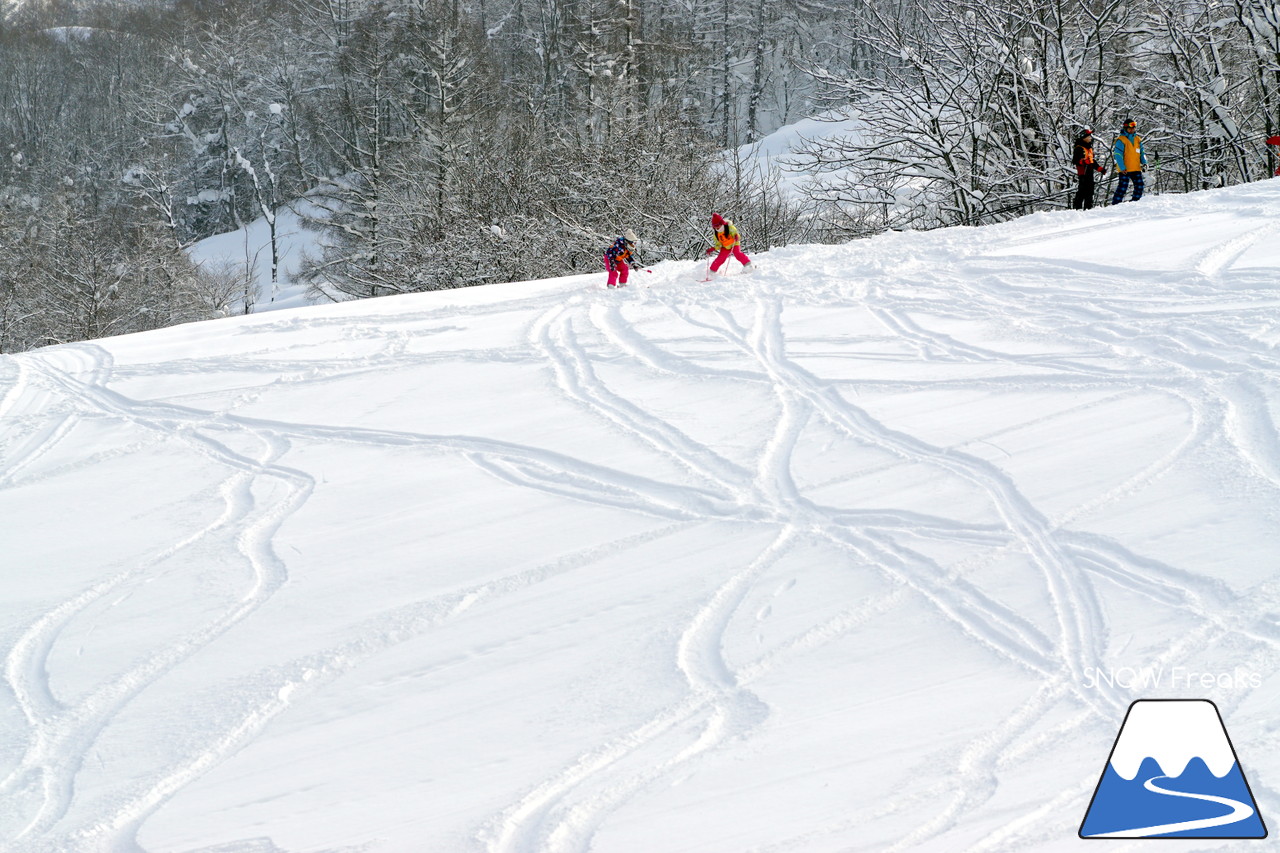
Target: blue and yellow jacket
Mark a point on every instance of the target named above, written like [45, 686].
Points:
[1128, 153]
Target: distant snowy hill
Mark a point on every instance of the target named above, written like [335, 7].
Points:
[778, 154]
[868, 550]
[245, 255]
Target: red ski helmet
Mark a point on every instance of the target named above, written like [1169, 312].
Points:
[716, 220]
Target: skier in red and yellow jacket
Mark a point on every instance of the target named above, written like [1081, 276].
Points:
[727, 242]
[1086, 167]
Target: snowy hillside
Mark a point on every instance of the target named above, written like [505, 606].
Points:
[244, 255]
[869, 550]
[778, 155]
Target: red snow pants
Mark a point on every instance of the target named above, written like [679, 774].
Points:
[617, 271]
[736, 251]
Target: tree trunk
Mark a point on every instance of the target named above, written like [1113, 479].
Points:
[757, 74]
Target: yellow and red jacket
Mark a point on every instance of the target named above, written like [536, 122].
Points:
[1083, 158]
[727, 235]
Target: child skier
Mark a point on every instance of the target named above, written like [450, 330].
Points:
[1086, 167]
[1130, 161]
[616, 257]
[727, 242]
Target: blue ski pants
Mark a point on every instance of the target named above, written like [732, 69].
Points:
[1123, 186]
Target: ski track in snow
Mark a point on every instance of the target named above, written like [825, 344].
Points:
[1113, 331]
[63, 734]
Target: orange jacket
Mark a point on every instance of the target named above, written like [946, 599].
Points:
[727, 236]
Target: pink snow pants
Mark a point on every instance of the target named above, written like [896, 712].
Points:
[736, 251]
[617, 273]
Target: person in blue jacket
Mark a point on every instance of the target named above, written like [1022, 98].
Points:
[1130, 161]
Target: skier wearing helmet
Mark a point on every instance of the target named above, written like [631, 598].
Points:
[617, 255]
[727, 242]
[1087, 167]
[1130, 161]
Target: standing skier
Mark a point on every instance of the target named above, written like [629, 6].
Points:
[616, 257]
[1130, 161]
[1086, 167]
[727, 241]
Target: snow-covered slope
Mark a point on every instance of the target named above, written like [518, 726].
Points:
[848, 554]
[245, 256]
[774, 157]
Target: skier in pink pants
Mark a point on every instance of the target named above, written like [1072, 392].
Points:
[616, 257]
[727, 241]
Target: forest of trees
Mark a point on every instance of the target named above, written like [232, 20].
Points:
[445, 143]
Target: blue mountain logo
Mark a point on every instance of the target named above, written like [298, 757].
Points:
[1173, 773]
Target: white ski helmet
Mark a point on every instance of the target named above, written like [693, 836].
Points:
[629, 235]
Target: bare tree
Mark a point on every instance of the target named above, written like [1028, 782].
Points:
[1260, 21]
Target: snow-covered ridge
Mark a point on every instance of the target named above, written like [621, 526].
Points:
[808, 559]
[1173, 733]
